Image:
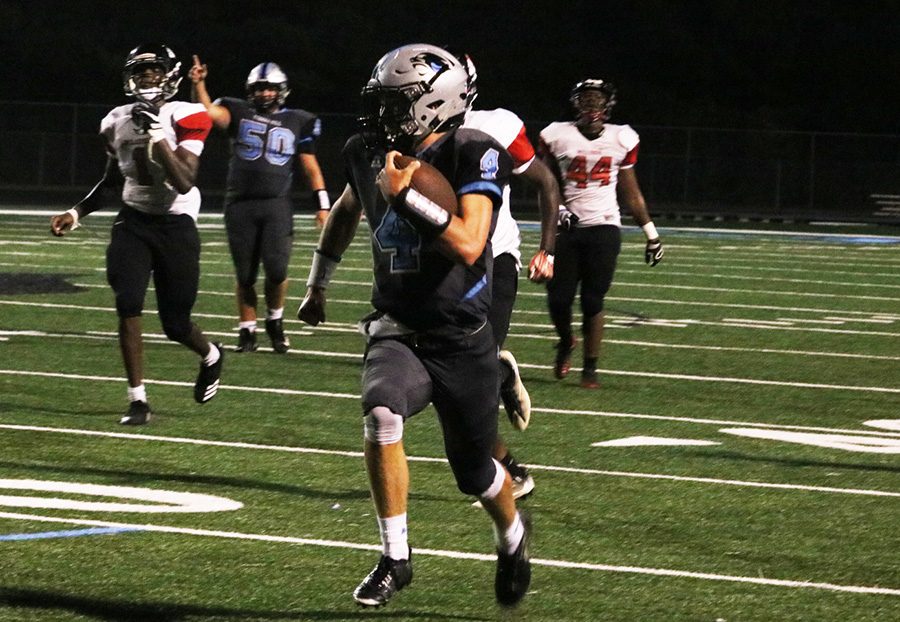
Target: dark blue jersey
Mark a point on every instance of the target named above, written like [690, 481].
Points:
[414, 282]
[264, 149]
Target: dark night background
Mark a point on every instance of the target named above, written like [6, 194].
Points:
[815, 66]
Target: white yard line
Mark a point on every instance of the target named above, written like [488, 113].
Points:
[671, 376]
[534, 467]
[554, 563]
[354, 355]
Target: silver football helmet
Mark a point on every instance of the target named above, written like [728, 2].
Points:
[151, 55]
[271, 75]
[414, 90]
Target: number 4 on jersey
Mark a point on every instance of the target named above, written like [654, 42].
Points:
[578, 171]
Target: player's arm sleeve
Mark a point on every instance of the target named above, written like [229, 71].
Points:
[521, 151]
[630, 140]
[192, 130]
[545, 153]
[484, 167]
[309, 136]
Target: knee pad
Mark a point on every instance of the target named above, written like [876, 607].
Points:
[382, 426]
[497, 484]
[177, 330]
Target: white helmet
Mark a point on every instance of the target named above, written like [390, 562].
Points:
[415, 90]
[268, 74]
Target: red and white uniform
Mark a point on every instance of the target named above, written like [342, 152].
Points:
[146, 189]
[590, 168]
[508, 130]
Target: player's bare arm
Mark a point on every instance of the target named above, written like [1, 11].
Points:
[540, 268]
[198, 72]
[309, 164]
[629, 193]
[464, 239]
[105, 193]
[181, 165]
[541, 177]
[339, 231]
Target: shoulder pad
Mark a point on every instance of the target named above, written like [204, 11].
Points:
[114, 115]
[627, 137]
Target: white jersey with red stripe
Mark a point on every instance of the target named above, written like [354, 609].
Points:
[508, 130]
[146, 187]
[589, 169]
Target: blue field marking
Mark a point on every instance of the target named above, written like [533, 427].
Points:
[70, 533]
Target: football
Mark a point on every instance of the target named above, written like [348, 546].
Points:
[431, 183]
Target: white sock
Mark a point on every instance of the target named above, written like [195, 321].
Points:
[213, 357]
[275, 314]
[509, 541]
[137, 394]
[249, 325]
[393, 536]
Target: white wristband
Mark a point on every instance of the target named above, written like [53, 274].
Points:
[650, 231]
[426, 209]
[74, 214]
[321, 270]
[324, 201]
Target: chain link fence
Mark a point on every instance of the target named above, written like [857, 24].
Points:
[52, 153]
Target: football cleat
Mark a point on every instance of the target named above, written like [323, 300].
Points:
[522, 482]
[138, 414]
[522, 485]
[589, 379]
[275, 330]
[515, 397]
[246, 341]
[514, 571]
[388, 577]
[563, 358]
[208, 379]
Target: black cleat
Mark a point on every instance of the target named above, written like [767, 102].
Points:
[589, 379]
[563, 361]
[522, 482]
[275, 330]
[514, 571]
[389, 577]
[138, 414]
[516, 400]
[208, 379]
[246, 341]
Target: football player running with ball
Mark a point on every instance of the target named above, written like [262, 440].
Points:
[594, 161]
[429, 340]
[153, 153]
[268, 141]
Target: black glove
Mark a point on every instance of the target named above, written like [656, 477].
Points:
[567, 220]
[145, 116]
[654, 252]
